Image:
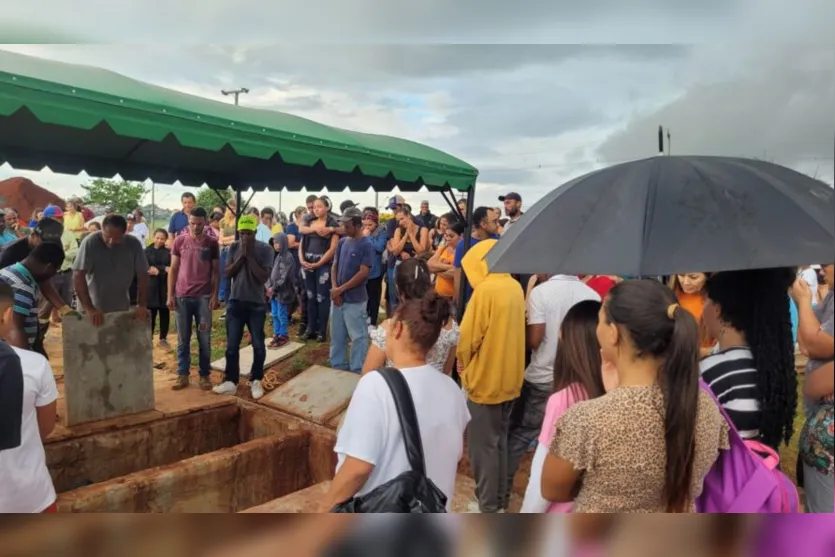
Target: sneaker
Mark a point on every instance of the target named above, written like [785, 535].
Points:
[164, 344]
[320, 338]
[257, 390]
[181, 383]
[205, 383]
[472, 508]
[226, 388]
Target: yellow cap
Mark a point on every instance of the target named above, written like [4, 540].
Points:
[248, 222]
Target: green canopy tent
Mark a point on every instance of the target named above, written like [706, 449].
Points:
[74, 118]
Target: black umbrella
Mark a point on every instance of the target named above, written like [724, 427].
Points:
[668, 215]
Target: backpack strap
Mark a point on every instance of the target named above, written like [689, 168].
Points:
[408, 417]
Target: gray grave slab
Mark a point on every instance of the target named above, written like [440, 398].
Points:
[274, 355]
[318, 394]
[108, 370]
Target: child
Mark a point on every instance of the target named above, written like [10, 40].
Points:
[159, 262]
[577, 377]
[25, 484]
[281, 289]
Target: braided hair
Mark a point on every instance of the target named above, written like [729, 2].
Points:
[756, 304]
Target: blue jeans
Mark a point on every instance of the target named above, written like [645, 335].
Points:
[391, 289]
[223, 287]
[253, 315]
[318, 286]
[349, 321]
[281, 318]
[193, 312]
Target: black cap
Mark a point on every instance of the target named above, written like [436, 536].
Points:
[350, 213]
[49, 230]
[513, 196]
[345, 205]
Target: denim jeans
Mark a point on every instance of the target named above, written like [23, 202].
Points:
[223, 287]
[318, 286]
[193, 312]
[349, 321]
[281, 318]
[391, 291]
[253, 315]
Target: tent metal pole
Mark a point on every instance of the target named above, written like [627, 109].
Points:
[449, 197]
[238, 210]
[468, 234]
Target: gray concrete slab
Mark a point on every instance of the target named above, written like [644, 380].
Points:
[108, 370]
[274, 355]
[318, 394]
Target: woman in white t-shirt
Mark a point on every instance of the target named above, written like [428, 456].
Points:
[25, 484]
[369, 445]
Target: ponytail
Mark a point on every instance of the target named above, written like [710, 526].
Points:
[424, 318]
[679, 381]
[659, 328]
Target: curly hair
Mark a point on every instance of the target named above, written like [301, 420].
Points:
[756, 304]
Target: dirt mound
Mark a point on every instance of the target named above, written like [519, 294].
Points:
[25, 196]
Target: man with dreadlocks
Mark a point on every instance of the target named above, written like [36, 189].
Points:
[752, 373]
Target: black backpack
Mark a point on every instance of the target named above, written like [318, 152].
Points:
[411, 491]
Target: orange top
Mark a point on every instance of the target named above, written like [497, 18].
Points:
[695, 305]
[445, 286]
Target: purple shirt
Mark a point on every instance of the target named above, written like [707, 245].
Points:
[194, 277]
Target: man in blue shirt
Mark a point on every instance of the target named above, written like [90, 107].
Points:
[485, 225]
[6, 235]
[351, 268]
[179, 220]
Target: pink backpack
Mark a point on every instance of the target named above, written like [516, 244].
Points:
[746, 478]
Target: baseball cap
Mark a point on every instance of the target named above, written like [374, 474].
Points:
[513, 196]
[53, 211]
[130, 216]
[248, 222]
[395, 201]
[347, 204]
[49, 230]
[350, 213]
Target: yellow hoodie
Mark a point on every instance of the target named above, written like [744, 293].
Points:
[492, 344]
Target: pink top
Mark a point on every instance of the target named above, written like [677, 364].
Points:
[557, 406]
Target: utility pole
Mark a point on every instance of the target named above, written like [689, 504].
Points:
[669, 143]
[236, 93]
[660, 140]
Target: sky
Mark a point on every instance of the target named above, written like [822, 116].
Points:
[482, 79]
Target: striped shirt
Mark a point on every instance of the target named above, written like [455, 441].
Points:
[25, 297]
[732, 377]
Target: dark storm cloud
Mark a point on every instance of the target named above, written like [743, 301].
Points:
[781, 107]
[360, 21]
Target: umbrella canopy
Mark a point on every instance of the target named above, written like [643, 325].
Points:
[668, 215]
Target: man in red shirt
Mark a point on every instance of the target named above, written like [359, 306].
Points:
[192, 290]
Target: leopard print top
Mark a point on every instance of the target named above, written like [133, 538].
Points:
[617, 440]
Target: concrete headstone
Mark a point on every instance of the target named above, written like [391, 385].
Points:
[274, 355]
[108, 370]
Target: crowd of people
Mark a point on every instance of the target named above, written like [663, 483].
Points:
[627, 389]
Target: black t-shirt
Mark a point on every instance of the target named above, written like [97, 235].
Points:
[11, 398]
[314, 245]
[15, 252]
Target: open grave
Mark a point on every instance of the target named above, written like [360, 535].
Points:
[223, 459]
[194, 451]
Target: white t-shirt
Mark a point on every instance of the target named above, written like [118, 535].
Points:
[811, 278]
[371, 430]
[547, 305]
[25, 484]
[140, 231]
